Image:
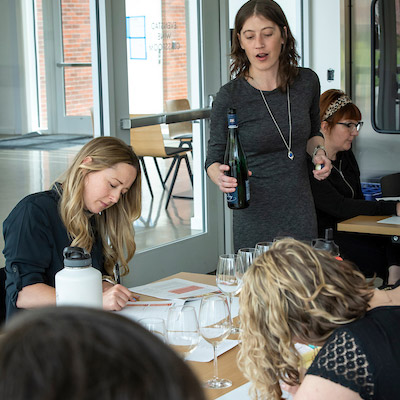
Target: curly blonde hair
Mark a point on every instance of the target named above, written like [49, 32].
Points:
[115, 224]
[293, 293]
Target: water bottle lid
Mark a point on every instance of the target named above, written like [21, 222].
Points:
[327, 245]
[76, 257]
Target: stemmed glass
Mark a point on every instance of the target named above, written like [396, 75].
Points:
[183, 332]
[155, 325]
[229, 279]
[215, 326]
[246, 256]
[262, 247]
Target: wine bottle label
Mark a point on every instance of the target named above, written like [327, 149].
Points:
[232, 197]
[232, 121]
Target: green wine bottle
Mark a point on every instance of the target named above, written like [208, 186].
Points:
[236, 160]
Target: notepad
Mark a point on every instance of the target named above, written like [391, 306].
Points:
[390, 220]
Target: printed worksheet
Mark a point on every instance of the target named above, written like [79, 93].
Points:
[174, 289]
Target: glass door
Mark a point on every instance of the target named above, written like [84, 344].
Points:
[66, 87]
[157, 53]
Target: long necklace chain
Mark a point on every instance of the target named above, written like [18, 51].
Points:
[339, 170]
[288, 146]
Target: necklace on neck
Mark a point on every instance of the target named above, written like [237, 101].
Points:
[288, 145]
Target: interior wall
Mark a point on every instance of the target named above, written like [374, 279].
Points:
[325, 41]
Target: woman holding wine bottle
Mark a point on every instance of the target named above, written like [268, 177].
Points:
[277, 112]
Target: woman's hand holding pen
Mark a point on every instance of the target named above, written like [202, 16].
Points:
[115, 297]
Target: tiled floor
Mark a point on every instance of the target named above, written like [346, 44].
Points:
[28, 171]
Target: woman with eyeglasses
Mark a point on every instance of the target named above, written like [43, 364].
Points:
[340, 197]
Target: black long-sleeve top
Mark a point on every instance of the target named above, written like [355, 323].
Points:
[340, 197]
[35, 238]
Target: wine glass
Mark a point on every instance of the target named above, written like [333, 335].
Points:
[183, 332]
[155, 325]
[215, 326]
[229, 279]
[262, 247]
[277, 238]
[246, 256]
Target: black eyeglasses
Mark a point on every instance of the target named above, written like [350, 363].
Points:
[352, 125]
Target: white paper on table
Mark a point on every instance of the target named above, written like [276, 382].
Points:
[303, 348]
[148, 309]
[159, 309]
[390, 220]
[175, 288]
[242, 393]
[204, 352]
[389, 198]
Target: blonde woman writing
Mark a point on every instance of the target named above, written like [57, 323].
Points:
[294, 293]
[93, 206]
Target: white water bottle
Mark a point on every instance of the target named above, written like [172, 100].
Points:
[78, 283]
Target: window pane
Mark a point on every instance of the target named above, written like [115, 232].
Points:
[78, 91]
[163, 65]
[386, 66]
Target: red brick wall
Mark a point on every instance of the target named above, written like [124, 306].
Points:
[174, 61]
[76, 42]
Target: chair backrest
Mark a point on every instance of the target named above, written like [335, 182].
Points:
[178, 128]
[147, 141]
[390, 185]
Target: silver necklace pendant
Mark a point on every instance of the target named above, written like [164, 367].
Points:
[290, 155]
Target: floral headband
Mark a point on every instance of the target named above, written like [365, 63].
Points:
[333, 107]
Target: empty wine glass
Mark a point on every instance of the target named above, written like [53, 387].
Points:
[215, 326]
[246, 256]
[229, 279]
[282, 237]
[183, 333]
[155, 325]
[262, 247]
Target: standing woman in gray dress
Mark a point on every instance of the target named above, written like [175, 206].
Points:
[277, 105]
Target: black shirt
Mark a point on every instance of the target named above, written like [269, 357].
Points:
[35, 237]
[364, 355]
[340, 197]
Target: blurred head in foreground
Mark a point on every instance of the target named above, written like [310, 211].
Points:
[86, 354]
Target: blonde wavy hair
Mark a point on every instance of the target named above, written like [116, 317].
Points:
[293, 293]
[115, 224]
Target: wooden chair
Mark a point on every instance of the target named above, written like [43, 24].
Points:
[390, 185]
[181, 131]
[148, 141]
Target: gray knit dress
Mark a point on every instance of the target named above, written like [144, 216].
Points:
[281, 202]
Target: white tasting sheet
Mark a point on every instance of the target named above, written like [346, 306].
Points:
[390, 220]
[174, 289]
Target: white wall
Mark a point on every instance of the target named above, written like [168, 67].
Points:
[325, 42]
